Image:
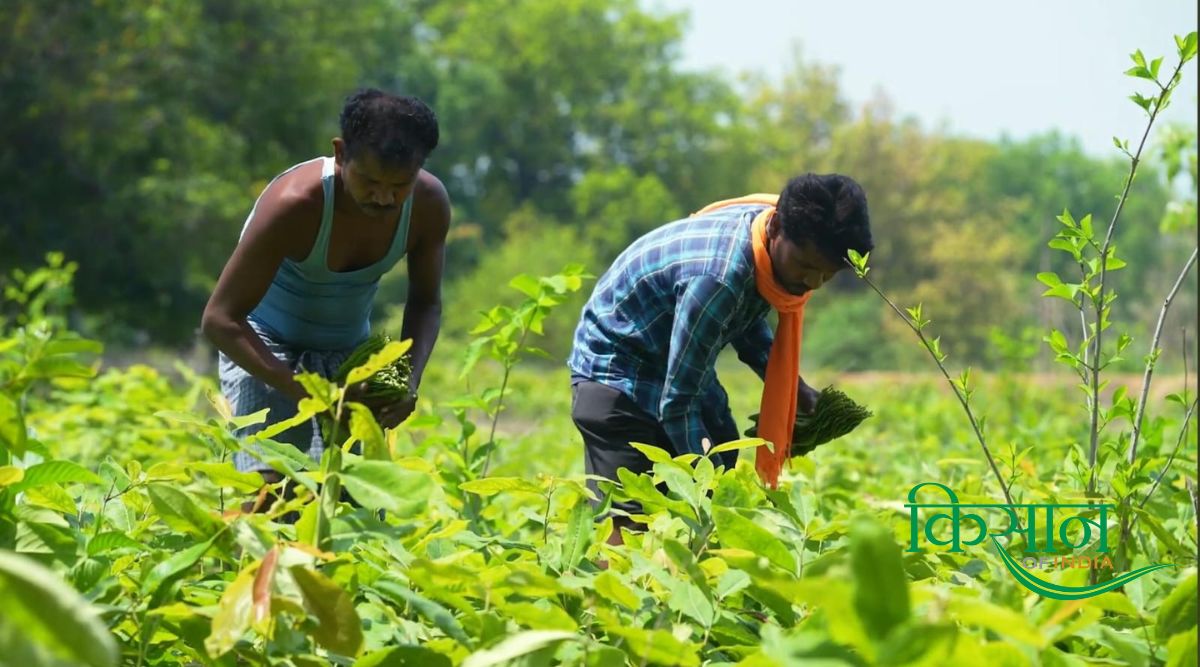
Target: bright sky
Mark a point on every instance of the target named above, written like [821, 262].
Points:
[981, 67]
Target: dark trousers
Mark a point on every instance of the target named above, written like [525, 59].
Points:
[609, 420]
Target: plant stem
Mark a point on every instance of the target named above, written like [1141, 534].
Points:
[961, 398]
[322, 524]
[546, 518]
[103, 506]
[1191, 488]
[1151, 360]
[1187, 422]
[1094, 444]
[1183, 336]
[1126, 523]
[1083, 329]
[508, 366]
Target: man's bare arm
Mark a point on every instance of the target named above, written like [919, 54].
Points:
[423, 308]
[245, 279]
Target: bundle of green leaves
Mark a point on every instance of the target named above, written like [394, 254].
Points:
[391, 382]
[836, 414]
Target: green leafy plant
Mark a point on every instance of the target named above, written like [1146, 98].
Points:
[1130, 480]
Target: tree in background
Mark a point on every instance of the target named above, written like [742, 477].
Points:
[138, 135]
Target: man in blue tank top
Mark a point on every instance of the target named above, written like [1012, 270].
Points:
[295, 295]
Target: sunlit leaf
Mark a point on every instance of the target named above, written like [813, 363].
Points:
[404, 656]
[56, 472]
[10, 475]
[384, 485]
[737, 532]
[233, 614]
[225, 475]
[515, 646]
[390, 354]
[366, 430]
[1178, 612]
[576, 537]
[610, 587]
[179, 510]
[12, 425]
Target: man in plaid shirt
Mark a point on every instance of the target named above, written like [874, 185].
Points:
[647, 342]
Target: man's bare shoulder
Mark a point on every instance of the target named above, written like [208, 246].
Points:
[430, 192]
[431, 204]
[289, 212]
[296, 193]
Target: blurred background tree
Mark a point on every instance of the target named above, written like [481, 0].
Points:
[137, 135]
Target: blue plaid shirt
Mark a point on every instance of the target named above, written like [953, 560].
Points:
[667, 306]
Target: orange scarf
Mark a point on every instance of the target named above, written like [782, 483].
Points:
[777, 409]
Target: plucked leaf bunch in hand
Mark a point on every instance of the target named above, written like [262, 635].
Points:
[391, 382]
[835, 415]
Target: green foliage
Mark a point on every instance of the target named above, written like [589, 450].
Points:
[475, 294]
[1113, 462]
[1178, 150]
[46, 622]
[144, 558]
[613, 207]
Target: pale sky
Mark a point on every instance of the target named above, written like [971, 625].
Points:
[982, 68]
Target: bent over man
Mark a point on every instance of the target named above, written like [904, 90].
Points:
[647, 342]
[296, 294]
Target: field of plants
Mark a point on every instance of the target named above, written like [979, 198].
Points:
[131, 547]
[466, 536]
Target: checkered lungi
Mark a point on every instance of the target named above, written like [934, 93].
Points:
[247, 394]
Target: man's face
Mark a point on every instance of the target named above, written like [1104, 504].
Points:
[798, 268]
[379, 189]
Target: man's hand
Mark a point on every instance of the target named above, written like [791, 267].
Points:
[806, 399]
[389, 414]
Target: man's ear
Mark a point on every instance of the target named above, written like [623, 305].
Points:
[339, 151]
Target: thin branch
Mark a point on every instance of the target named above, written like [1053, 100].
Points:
[1191, 489]
[1186, 393]
[1187, 422]
[508, 366]
[1163, 91]
[1151, 360]
[1099, 302]
[961, 398]
[1083, 330]
[1128, 524]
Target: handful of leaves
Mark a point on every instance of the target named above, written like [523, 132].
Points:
[835, 415]
[391, 382]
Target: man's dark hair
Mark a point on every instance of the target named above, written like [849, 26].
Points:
[399, 130]
[830, 210]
